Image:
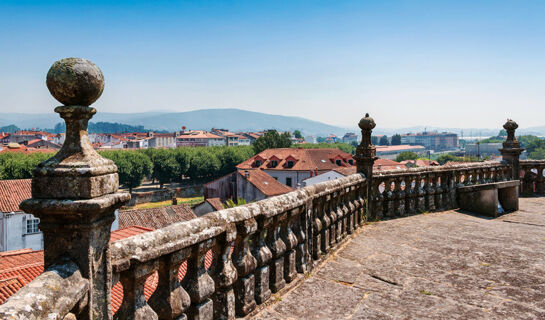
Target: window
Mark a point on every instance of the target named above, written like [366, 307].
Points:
[274, 163]
[258, 163]
[32, 225]
[338, 162]
[288, 182]
[290, 164]
[351, 161]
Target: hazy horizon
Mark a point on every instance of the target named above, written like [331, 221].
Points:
[458, 64]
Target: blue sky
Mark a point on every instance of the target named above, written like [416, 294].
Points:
[434, 63]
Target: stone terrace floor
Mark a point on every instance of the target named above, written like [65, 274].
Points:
[444, 265]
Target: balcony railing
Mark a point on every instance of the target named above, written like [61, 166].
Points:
[256, 249]
[532, 177]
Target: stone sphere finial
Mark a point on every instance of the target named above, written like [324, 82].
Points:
[510, 125]
[367, 123]
[75, 81]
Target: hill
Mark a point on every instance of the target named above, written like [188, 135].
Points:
[232, 119]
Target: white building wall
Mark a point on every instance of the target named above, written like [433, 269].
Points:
[297, 177]
[13, 233]
[330, 175]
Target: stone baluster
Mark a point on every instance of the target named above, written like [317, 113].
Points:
[332, 214]
[438, 196]
[277, 247]
[198, 283]
[350, 202]
[430, 192]
[410, 194]
[388, 198]
[170, 299]
[421, 194]
[134, 305]
[263, 256]
[318, 230]
[362, 210]
[290, 240]
[224, 274]
[245, 263]
[326, 223]
[75, 193]
[345, 212]
[378, 200]
[300, 230]
[540, 181]
[399, 197]
[336, 209]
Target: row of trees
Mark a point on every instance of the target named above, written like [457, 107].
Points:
[163, 165]
[168, 165]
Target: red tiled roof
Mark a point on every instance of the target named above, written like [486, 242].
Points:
[19, 267]
[387, 164]
[12, 192]
[265, 183]
[155, 218]
[307, 159]
[215, 203]
[25, 149]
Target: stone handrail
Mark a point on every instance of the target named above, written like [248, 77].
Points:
[531, 176]
[403, 192]
[52, 295]
[256, 248]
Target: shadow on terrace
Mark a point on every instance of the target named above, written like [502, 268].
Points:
[258, 250]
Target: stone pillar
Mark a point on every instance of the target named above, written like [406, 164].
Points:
[511, 149]
[75, 193]
[365, 157]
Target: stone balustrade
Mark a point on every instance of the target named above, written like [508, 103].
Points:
[532, 177]
[256, 249]
[402, 192]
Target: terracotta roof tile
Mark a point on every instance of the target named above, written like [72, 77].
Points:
[19, 267]
[12, 192]
[307, 159]
[265, 183]
[155, 218]
[215, 203]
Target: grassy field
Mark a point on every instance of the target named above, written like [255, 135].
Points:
[149, 205]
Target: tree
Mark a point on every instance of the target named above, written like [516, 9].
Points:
[406, 155]
[396, 140]
[272, 139]
[298, 134]
[165, 165]
[204, 164]
[502, 133]
[374, 140]
[384, 141]
[132, 166]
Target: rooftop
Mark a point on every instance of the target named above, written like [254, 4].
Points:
[264, 182]
[442, 265]
[305, 159]
[12, 192]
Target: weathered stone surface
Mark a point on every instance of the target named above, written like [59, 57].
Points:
[75, 81]
[50, 296]
[445, 265]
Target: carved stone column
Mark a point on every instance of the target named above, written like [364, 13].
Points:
[74, 193]
[511, 149]
[365, 157]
